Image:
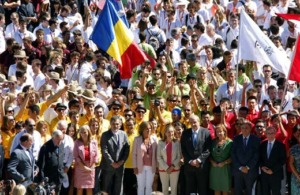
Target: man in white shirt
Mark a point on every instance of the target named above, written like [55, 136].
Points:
[23, 32]
[86, 68]
[37, 139]
[155, 31]
[44, 25]
[39, 78]
[68, 143]
[232, 31]
[12, 27]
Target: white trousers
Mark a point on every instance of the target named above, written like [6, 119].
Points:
[169, 180]
[145, 181]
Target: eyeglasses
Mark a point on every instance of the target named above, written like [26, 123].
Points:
[172, 100]
[169, 76]
[140, 111]
[187, 110]
[259, 127]
[128, 115]
[258, 86]
[116, 108]
[77, 34]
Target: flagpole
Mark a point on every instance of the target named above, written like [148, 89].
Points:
[237, 67]
[287, 76]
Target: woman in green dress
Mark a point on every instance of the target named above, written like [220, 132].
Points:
[220, 173]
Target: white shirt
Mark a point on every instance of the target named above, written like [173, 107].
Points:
[37, 142]
[169, 25]
[26, 152]
[68, 149]
[84, 73]
[10, 30]
[72, 73]
[13, 68]
[39, 80]
[2, 41]
[18, 36]
[235, 98]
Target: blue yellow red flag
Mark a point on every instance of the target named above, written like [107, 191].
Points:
[112, 35]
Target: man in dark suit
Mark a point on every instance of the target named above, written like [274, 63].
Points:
[245, 158]
[195, 145]
[21, 165]
[115, 151]
[272, 159]
[51, 161]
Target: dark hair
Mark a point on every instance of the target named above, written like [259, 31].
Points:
[25, 137]
[142, 36]
[34, 108]
[243, 108]
[261, 121]
[153, 20]
[130, 13]
[252, 98]
[217, 110]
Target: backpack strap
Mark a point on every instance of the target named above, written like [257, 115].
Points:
[186, 19]
[198, 19]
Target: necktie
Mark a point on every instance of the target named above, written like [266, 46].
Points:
[269, 149]
[195, 139]
[116, 136]
[30, 154]
[245, 142]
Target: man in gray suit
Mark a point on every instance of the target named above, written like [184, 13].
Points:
[21, 165]
[115, 151]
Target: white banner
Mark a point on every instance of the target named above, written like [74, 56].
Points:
[254, 45]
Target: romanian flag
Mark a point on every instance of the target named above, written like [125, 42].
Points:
[289, 16]
[111, 35]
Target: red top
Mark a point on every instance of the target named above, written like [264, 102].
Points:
[169, 153]
[253, 116]
[87, 153]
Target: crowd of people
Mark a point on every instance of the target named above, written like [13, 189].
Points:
[198, 120]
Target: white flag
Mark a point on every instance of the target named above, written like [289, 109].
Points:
[254, 45]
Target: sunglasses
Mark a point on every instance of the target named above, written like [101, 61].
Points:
[259, 127]
[258, 86]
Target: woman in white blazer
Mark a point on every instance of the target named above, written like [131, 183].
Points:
[168, 157]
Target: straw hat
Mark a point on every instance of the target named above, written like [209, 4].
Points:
[20, 54]
[88, 94]
[54, 75]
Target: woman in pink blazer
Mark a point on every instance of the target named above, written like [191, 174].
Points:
[144, 159]
[85, 155]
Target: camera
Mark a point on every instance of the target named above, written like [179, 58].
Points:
[156, 102]
[266, 102]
